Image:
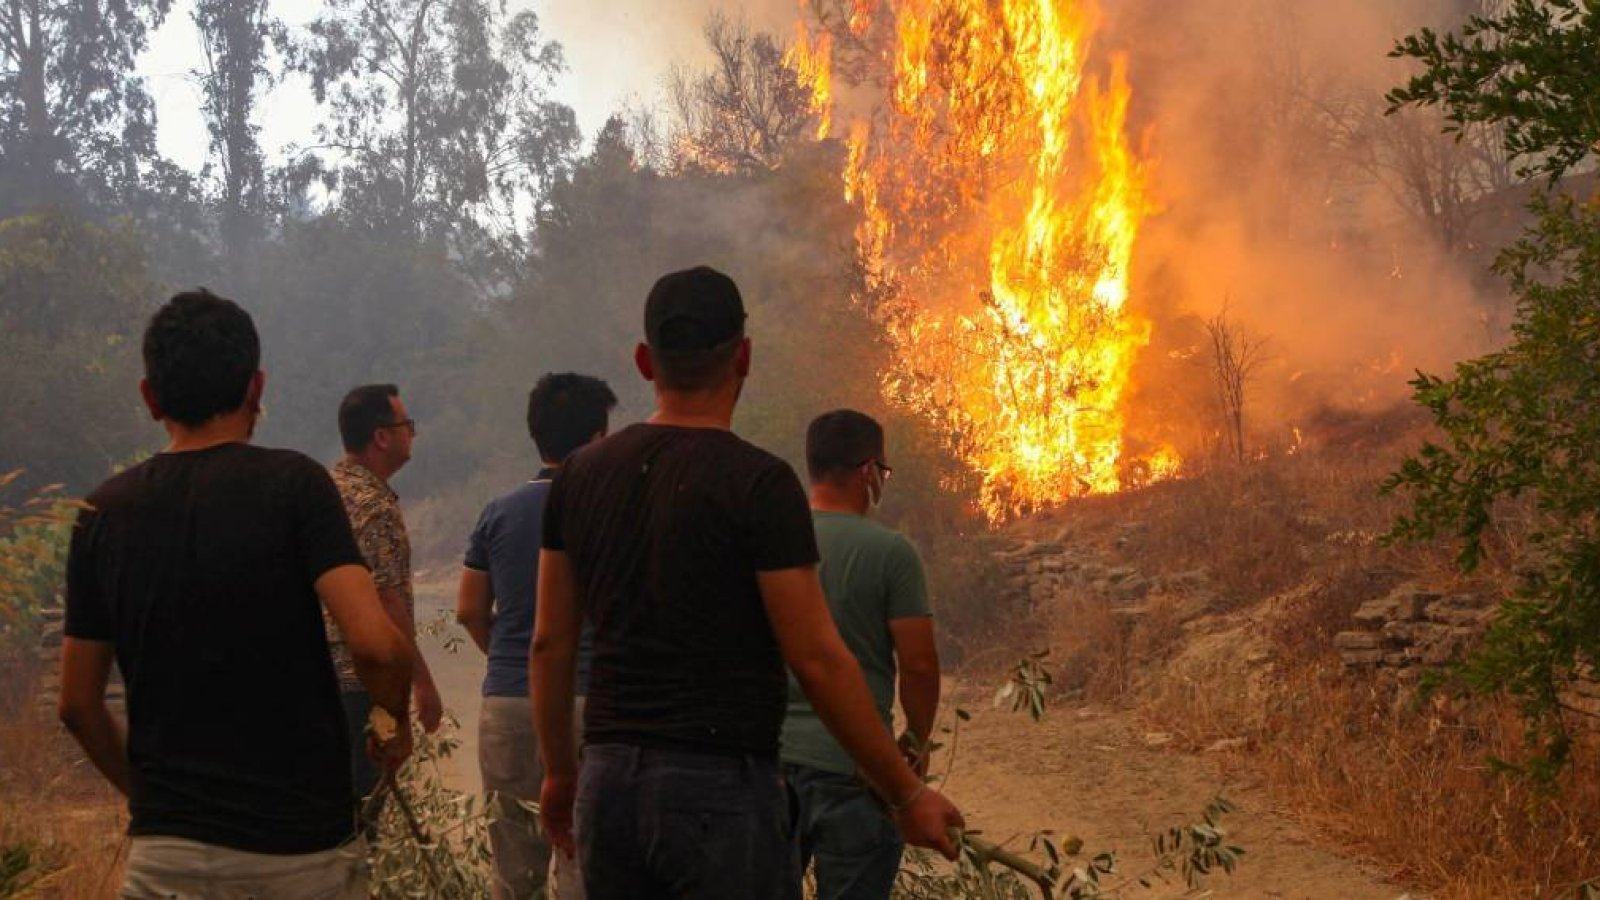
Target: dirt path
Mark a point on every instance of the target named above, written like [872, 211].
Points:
[1081, 771]
[1090, 772]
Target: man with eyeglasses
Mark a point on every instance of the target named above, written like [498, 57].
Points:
[377, 436]
[878, 595]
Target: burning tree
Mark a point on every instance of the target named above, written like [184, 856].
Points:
[746, 110]
[1001, 201]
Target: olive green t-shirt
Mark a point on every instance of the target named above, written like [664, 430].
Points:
[871, 575]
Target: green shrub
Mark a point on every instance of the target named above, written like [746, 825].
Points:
[33, 559]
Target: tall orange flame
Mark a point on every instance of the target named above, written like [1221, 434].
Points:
[1001, 203]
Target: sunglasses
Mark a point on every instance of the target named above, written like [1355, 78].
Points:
[408, 424]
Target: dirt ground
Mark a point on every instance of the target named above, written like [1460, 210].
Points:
[1081, 771]
[1092, 773]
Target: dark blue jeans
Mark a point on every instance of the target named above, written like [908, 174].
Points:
[655, 823]
[363, 771]
[843, 830]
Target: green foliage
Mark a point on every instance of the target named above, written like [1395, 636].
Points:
[1522, 426]
[440, 118]
[1025, 687]
[33, 557]
[22, 867]
[1530, 69]
[1185, 854]
[74, 120]
[235, 36]
[432, 841]
[72, 298]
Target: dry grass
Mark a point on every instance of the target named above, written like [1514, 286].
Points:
[1409, 782]
[54, 807]
[1291, 551]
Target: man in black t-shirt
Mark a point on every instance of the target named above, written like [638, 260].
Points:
[202, 571]
[692, 554]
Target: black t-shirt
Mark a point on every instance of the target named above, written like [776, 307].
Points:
[199, 567]
[666, 529]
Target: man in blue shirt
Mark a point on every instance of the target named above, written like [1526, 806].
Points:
[496, 605]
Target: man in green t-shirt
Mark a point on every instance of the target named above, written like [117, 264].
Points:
[879, 599]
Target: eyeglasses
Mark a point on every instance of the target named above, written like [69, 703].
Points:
[408, 424]
[881, 466]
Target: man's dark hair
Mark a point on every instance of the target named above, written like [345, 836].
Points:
[362, 412]
[200, 352]
[566, 410]
[839, 441]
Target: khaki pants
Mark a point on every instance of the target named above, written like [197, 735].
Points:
[169, 868]
[508, 756]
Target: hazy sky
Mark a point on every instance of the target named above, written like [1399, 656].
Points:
[617, 51]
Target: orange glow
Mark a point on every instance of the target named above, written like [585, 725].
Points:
[812, 63]
[1001, 203]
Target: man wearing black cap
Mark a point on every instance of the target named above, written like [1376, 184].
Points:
[692, 553]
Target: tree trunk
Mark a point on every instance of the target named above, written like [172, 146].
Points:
[42, 150]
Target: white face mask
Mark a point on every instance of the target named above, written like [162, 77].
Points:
[874, 487]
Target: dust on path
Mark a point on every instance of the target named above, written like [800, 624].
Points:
[1089, 772]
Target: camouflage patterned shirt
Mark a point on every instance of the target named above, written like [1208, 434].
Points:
[374, 511]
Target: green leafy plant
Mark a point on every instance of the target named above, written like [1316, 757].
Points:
[1184, 854]
[1027, 685]
[19, 869]
[1521, 426]
[432, 841]
[33, 558]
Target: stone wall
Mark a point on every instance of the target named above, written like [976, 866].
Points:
[1038, 573]
[1410, 630]
[1413, 628]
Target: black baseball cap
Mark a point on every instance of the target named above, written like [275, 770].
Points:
[695, 309]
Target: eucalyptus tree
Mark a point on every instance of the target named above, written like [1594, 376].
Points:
[235, 37]
[75, 118]
[440, 122]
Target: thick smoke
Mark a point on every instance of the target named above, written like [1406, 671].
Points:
[619, 51]
[1329, 230]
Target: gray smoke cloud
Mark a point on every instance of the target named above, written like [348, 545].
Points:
[620, 51]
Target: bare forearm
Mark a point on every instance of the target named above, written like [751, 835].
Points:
[478, 629]
[388, 680]
[551, 682]
[919, 700]
[839, 694]
[475, 606]
[102, 739]
[394, 603]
